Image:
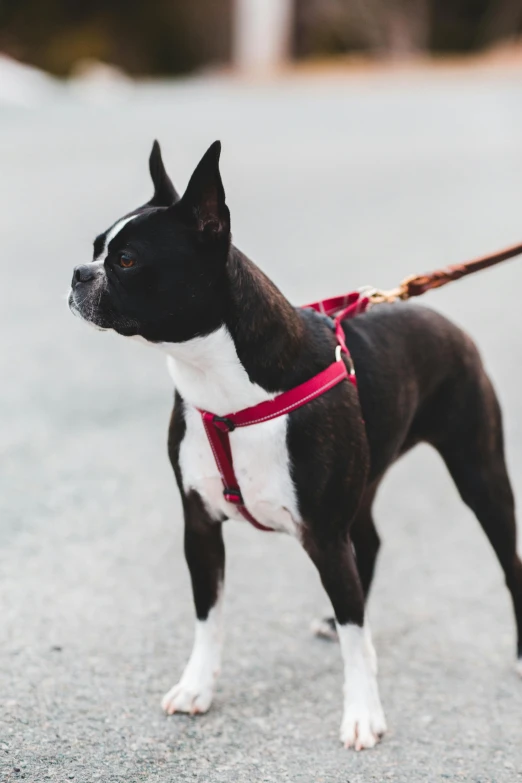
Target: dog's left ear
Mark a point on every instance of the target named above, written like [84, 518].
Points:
[203, 203]
[164, 191]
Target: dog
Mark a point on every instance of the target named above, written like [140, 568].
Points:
[168, 274]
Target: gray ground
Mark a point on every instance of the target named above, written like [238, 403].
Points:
[333, 182]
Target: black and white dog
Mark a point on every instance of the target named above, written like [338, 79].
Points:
[168, 274]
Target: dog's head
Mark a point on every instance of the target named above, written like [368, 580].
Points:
[159, 272]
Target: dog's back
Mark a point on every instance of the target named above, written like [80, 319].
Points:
[420, 378]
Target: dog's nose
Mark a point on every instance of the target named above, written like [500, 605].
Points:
[83, 273]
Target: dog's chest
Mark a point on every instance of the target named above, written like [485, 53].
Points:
[208, 375]
[261, 465]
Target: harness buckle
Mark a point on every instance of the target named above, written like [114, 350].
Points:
[233, 496]
[224, 424]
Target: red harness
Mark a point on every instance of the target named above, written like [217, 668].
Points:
[219, 427]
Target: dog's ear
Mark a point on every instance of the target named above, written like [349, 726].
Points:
[203, 203]
[164, 191]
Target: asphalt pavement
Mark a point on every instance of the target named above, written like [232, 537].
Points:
[334, 181]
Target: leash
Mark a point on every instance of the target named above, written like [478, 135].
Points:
[415, 285]
[336, 309]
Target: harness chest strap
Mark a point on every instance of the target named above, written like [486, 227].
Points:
[217, 428]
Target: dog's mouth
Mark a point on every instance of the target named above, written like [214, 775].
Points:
[82, 307]
[94, 306]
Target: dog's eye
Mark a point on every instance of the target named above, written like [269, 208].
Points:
[126, 261]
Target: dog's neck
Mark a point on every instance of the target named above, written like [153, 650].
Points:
[243, 361]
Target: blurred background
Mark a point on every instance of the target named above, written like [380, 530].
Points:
[169, 37]
[363, 141]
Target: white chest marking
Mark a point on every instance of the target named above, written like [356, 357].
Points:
[208, 374]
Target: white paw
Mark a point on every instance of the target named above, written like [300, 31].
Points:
[362, 728]
[194, 692]
[518, 667]
[188, 696]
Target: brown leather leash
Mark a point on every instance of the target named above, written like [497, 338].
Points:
[415, 285]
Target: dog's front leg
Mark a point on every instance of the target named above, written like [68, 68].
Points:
[363, 720]
[205, 554]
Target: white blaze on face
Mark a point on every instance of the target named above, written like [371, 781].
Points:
[113, 232]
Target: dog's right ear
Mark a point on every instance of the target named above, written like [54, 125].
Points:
[203, 203]
[165, 194]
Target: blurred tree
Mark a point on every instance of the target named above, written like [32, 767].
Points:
[158, 37]
[502, 21]
[385, 27]
[456, 25]
[403, 27]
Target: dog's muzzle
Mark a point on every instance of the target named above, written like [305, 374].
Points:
[87, 282]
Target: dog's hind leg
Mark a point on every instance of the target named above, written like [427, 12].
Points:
[366, 542]
[474, 455]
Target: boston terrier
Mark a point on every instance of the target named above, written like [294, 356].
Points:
[168, 274]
